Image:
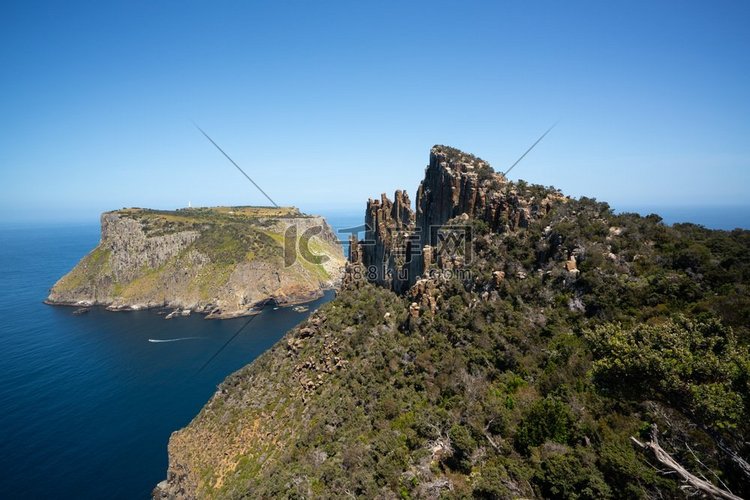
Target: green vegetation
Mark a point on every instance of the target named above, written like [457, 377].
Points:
[233, 242]
[696, 366]
[481, 167]
[315, 247]
[210, 278]
[527, 388]
[90, 268]
[161, 222]
[548, 419]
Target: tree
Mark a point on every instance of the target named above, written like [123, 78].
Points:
[695, 365]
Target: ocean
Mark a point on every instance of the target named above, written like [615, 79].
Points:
[89, 402]
[713, 217]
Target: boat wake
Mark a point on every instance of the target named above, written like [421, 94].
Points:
[159, 341]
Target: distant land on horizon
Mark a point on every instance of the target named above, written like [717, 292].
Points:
[711, 216]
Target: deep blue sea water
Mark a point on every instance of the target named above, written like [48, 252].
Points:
[87, 403]
[713, 217]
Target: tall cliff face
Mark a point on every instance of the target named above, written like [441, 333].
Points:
[457, 183]
[400, 246]
[389, 225]
[568, 332]
[219, 261]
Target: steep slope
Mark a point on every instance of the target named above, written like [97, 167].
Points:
[220, 261]
[518, 366]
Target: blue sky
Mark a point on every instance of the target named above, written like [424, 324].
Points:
[328, 103]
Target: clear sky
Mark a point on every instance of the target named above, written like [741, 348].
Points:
[328, 103]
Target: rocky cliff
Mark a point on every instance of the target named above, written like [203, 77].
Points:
[400, 245]
[219, 261]
[563, 352]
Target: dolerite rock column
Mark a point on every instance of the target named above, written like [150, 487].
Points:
[401, 245]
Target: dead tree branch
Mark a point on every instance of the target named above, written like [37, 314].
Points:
[689, 479]
[735, 457]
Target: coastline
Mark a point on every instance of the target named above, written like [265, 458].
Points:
[209, 311]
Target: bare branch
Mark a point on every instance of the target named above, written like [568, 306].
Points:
[689, 479]
[706, 467]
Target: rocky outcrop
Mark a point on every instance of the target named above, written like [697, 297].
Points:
[389, 226]
[219, 262]
[131, 249]
[400, 250]
[401, 246]
[439, 391]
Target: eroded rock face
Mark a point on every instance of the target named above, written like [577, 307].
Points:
[131, 250]
[402, 246]
[214, 261]
[389, 226]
